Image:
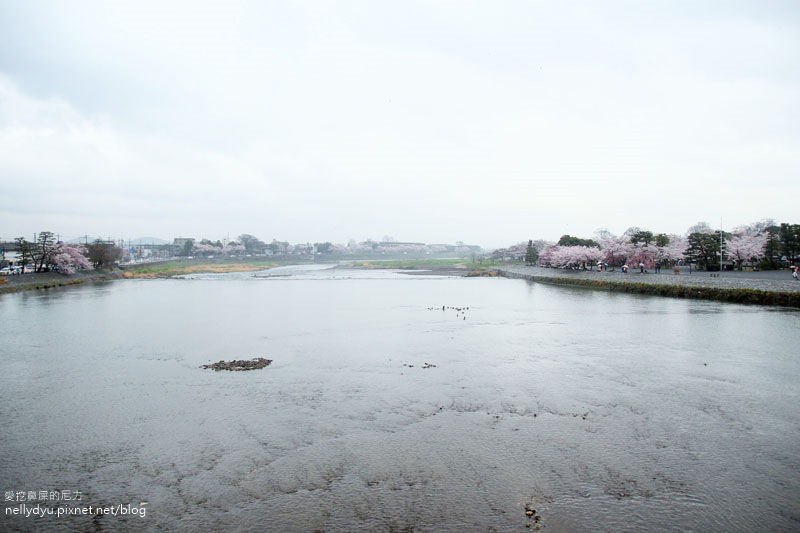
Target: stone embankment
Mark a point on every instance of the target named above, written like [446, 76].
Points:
[768, 288]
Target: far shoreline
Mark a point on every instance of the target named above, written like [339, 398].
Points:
[156, 270]
[759, 292]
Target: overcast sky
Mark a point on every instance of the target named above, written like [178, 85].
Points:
[486, 122]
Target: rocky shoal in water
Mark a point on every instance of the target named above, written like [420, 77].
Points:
[239, 365]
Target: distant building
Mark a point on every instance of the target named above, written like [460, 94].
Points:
[399, 244]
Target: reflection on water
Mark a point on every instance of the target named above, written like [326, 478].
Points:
[603, 411]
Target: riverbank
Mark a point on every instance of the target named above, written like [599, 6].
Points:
[727, 287]
[766, 288]
[49, 280]
[166, 269]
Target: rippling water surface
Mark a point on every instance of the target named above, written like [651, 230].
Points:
[601, 411]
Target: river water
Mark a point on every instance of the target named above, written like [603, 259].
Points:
[383, 412]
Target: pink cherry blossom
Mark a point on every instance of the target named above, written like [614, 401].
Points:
[68, 259]
[746, 248]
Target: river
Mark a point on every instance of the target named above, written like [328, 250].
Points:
[383, 412]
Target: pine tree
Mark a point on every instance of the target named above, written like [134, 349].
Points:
[531, 253]
[771, 251]
[43, 250]
[789, 235]
[703, 248]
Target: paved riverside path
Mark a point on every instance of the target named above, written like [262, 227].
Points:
[773, 281]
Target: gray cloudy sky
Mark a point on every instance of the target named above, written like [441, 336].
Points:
[486, 122]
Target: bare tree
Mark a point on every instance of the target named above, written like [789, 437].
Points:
[103, 254]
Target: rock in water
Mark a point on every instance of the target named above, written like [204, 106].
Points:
[240, 364]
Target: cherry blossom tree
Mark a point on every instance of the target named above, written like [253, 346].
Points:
[616, 250]
[746, 248]
[515, 252]
[570, 256]
[562, 257]
[68, 259]
[673, 251]
[700, 227]
[205, 249]
[755, 228]
[644, 254]
[546, 255]
[233, 248]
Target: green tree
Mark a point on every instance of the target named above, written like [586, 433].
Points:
[642, 236]
[789, 235]
[252, 245]
[662, 240]
[531, 253]
[43, 250]
[703, 249]
[278, 247]
[771, 249]
[25, 252]
[569, 240]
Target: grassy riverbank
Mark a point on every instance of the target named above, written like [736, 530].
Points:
[169, 269]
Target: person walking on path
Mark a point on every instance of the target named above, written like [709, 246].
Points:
[641, 267]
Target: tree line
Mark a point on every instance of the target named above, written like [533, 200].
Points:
[45, 253]
[763, 244]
